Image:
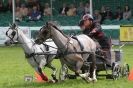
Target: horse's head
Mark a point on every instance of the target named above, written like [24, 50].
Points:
[12, 34]
[44, 33]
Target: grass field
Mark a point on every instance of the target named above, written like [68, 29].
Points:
[13, 68]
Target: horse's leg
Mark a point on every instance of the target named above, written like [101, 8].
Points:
[62, 73]
[54, 71]
[78, 72]
[93, 66]
[40, 72]
[79, 65]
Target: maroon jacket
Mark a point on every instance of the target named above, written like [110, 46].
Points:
[98, 34]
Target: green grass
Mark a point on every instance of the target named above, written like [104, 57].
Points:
[13, 68]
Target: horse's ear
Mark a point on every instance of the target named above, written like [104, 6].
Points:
[14, 26]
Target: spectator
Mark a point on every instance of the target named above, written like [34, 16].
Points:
[2, 8]
[103, 13]
[81, 9]
[18, 14]
[71, 11]
[127, 13]
[97, 16]
[118, 13]
[35, 14]
[47, 10]
[108, 14]
[37, 3]
[18, 3]
[23, 10]
[63, 10]
[29, 12]
[30, 3]
[9, 5]
[87, 8]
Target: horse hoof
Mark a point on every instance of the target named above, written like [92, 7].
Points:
[88, 79]
[94, 80]
[52, 81]
[56, 80]
[84, 75]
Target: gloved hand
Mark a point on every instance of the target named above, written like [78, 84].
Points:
[94, 30]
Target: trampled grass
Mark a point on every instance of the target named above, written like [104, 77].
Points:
[13, 68]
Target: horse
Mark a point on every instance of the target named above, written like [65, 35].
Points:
[30, 49]
[70, 51]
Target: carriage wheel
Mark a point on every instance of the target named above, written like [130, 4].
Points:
[116, 72]
[125, 71]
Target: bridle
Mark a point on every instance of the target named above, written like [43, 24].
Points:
[13, 34]
[15, 30]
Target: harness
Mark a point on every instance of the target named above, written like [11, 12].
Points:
[62, 54]
[47, 49]
[80, 44]
[66, 52]
[33, 54]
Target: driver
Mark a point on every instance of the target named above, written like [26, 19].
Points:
[94, 30]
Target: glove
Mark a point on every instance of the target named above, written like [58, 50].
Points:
[94, 30]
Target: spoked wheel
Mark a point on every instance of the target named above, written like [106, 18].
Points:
[125, 70]
[116, 71]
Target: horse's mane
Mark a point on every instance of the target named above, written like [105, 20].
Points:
[57, 27]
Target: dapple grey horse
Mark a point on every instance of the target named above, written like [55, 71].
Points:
[30, 50]
[70, 49]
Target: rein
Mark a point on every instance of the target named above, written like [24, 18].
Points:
[49, 45]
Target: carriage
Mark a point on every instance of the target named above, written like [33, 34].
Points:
[117, 68]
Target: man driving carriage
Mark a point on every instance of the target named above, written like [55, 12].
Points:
[94, 30]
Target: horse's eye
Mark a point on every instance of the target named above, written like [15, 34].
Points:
[13, 33]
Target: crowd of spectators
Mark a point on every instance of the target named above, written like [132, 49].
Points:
[33, 10]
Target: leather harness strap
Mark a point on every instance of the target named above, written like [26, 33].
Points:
[80, 44]
[33, 54]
